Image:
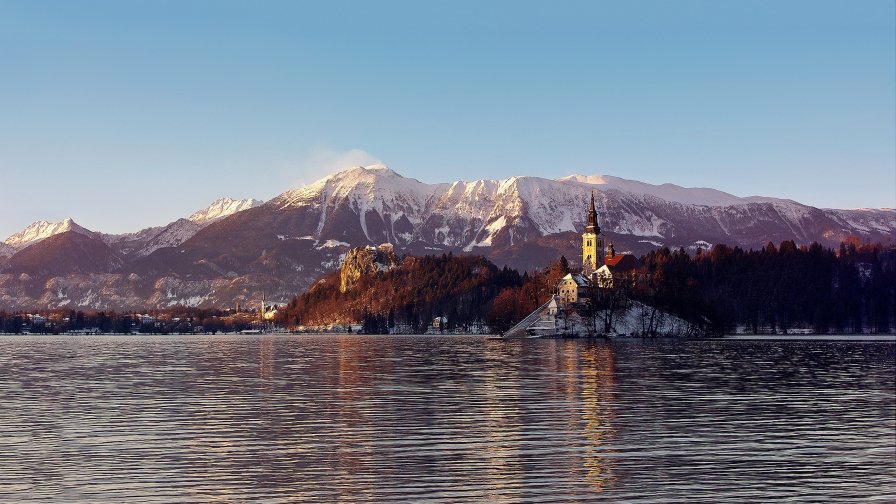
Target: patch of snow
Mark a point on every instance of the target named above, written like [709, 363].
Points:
[333, 243]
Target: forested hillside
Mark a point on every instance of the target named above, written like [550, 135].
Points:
[726, 289]
[775, 289]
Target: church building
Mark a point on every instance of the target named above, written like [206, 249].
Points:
[592, 243]
[601, 267]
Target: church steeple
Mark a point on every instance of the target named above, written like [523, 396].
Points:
[592, 226]
[592, 242]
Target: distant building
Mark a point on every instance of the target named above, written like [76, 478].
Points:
[266, 312]
[439, 324]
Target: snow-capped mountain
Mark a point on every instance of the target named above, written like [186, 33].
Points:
[141, 242]
[40, 230]
[221, 208]
[374, 204]
[280, 247]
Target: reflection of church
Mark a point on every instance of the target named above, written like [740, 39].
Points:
[601, 267]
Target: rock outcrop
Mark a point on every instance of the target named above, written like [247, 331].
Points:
[364, 261]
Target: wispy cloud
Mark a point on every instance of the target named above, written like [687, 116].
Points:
[323, 161]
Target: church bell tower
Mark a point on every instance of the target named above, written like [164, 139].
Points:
[592, 243]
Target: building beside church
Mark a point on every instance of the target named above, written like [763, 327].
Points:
[615, 269]
[573, 288]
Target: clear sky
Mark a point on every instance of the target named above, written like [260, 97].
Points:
[125, 114]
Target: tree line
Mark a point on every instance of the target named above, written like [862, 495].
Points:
[408, 298]
[774, 289]
[170, 321]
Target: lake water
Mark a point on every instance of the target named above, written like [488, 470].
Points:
[444, 419]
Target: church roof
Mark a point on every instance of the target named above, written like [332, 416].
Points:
[621, 262]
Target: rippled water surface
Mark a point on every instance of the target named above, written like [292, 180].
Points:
[444, 419]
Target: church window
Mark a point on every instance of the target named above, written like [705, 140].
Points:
[589, 243]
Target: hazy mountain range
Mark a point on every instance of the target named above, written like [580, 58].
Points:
[234, 250]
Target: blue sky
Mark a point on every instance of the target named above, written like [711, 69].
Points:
[129, 114]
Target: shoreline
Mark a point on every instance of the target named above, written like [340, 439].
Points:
[729, 337]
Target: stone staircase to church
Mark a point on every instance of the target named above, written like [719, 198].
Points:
[533, 321]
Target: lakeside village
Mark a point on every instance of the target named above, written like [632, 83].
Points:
[788, 289]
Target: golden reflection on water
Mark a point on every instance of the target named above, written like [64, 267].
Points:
[266, 361]
[354, 442]
[584, 373]
[502, 425]
[597, 412]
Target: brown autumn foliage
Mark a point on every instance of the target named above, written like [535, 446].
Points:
[468, 291]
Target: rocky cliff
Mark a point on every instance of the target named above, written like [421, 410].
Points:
[363, 261]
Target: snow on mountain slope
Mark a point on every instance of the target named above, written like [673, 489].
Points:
[374, 187]
[866, 219]
[181, 230]
[41, 230]
[171, 235]
[384, 206]
[667, 192]
[374, 204]
[398, 202]
[221, 208]
[149, 240]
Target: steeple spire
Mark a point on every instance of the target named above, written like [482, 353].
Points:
[592, 226]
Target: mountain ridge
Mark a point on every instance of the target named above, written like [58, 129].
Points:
[170, 234]
[278, 248]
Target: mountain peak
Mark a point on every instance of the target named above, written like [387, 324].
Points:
[377, 168]
[363, 173]
[41, 230]
[222, 207]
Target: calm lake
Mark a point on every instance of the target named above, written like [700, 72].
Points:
[444, 419]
